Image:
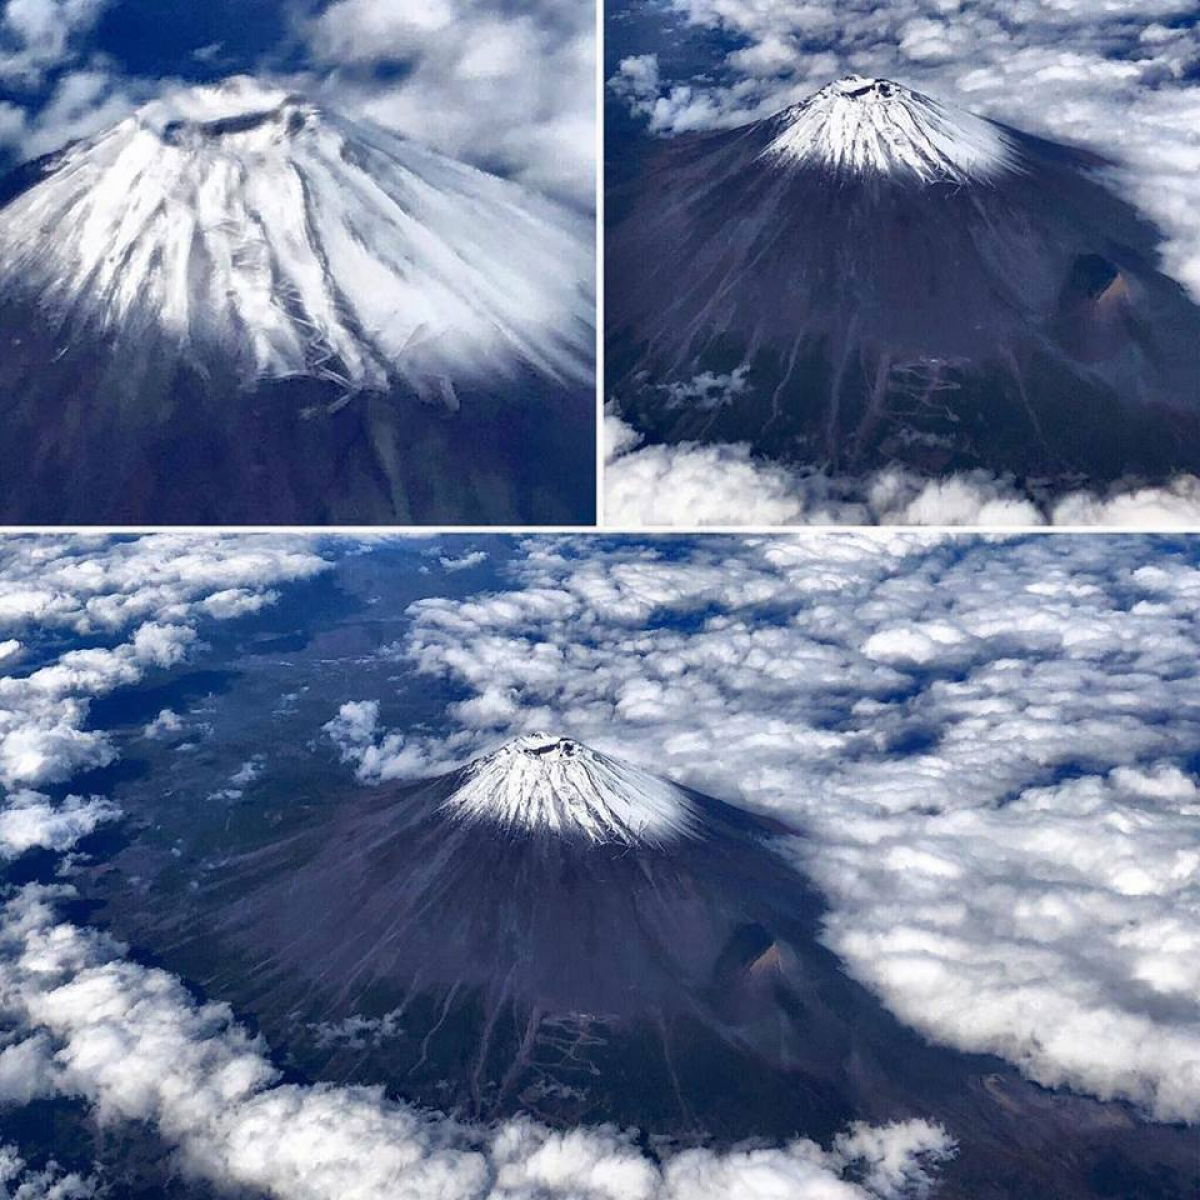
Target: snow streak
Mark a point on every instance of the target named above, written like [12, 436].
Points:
[862, 126]
[241, 218]
[544, 783]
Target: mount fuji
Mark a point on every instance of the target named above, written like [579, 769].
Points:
[872, 277]
[552, 931]
[236, 305]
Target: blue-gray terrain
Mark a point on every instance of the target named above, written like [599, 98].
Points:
[872, 278]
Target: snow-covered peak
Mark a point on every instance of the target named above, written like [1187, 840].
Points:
[860, 126]
[250, 228]
[541, 782]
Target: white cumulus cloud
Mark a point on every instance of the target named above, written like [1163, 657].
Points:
[32, 821]
[692, 485]
[464, 562]
[510, 89]
[36, 35]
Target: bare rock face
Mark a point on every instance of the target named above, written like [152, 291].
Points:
[553, 931]
[872, 277]
[237, 305]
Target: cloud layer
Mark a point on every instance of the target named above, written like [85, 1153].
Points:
[726, 485]
[511, 89]
[36, 35]
[143, 597]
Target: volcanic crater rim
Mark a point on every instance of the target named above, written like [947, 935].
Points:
[544, 745]
[865, 87]
[211, 112]
[293, 115]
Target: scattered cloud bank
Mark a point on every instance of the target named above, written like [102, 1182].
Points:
[691, 484]
[377, 754]
[1116, 77]
[36, 35]
[18, 1182]
[464, 562]
[143, 598]
[510, 89]
[990, 745]
[151, 592]
[82, 102]
[66, 91]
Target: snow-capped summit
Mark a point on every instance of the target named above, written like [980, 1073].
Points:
[544, 783]
[261, 235]
[860, 126]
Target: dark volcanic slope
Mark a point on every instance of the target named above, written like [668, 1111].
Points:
[899, 283]
[84, 443]
[552, 932]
